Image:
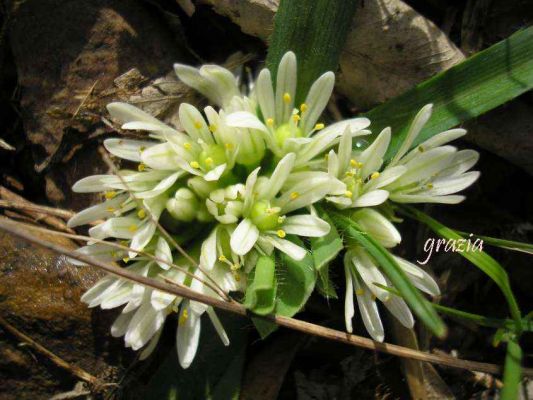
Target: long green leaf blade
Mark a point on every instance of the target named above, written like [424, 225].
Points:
[412, 296]
[480, 83]
[503, 243]
[316, 31]
[479, 258]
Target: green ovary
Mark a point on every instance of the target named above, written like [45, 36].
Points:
[286, 131]
[262, 216]
[212, 156]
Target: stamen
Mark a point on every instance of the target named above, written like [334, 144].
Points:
[429, 186]
[281, 219]
[126, 259]
[229, 146]
[209, 161]
[183, 317]
[349, 173]
[303, 107]
[132, 228]
[270, 121]
[187, 145]
[421, 149]
[142, 148]
[294, 195]
[374, 175]
[319, 126]
[212, 128]
[194, 164]
[197, 124]
[110, 194]
[281, 233]
[353, 163]
[235, 267]
[348, 194]
[222, 258]
[110, 209]
[296, 118]
[359, 292]
[141, 213]
[237, 276]
[286, 98]
[141, 167]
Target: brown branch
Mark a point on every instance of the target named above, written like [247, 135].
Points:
[298, 325]
[24, 206]
[73, 369]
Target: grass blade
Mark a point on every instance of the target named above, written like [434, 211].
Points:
[503, 243]
[479, 258]
[480, 83]
[412, 296]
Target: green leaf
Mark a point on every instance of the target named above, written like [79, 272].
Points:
[527, 323]
[316, 31]
[477, 257]
[261, 293]
[503, 243]
[324, 284]
[216, 372]
[412, 296]
[296, 281]
[512, 370]
[479, 84]
[324, 249]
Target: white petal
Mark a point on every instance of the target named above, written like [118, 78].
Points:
[317, 100]
[397, 306]
[436, 141]
[144, 324]
[194, 124]
[215, 173]
[453, 184]
[161, 156]
[161, 187]
[218, 326]
[386, 177]
[99, 251]
[245, 119]
[91, 184]
[415, 198]
[141, 238]
[370, 273]
[373, 198]
[187, 338]
[244, 237]
[378, 227]
[292, 250]
[348, 299]
[120, 326]
[265, 94]
[345, 150]
[369, 312]
[420, 278]
[462, 162]
[279, 176]
[285, 83]
[249, 189]
[119, 227]
[161, 300]
[151, 345]
[126, 148]
[372, 156]
[99, 211]
[127, 113]
[306, 225]
[416, 126]
[163, 252]
[208, 256]
[97, 289]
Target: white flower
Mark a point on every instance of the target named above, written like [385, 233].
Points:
[365, 279]
[264, 215]
[434, 172]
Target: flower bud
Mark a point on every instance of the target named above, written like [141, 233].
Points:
[183, 206]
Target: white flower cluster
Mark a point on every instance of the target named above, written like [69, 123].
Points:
[236, 182]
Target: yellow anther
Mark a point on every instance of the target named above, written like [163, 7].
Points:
[141, 167]
[359, 180]
[295, 117]
[132, 228]
[373, 297]
[212, 128]
[110, 209]
[235, 267]
[124, 243]
[359, 165]
[359, 292]
[209, 161]
[237, 277]
[142, 148]
[281, 233]
[429, 186]
[270, 121]
[319, 126]
[141, 213]
[286, 97]
[183, 317]
[187, 145]
[303, 107]
[349, 173]
[326, 156]
[353, 163]
[269, 210]
[197, 124]
[375, 175]
[222, 258]
[229, 146]
[281, 219]
[421, 149]
[114, 254]
[126, 259]
[294, 195]
[194, 164]
[110, 194]
[348, 194]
